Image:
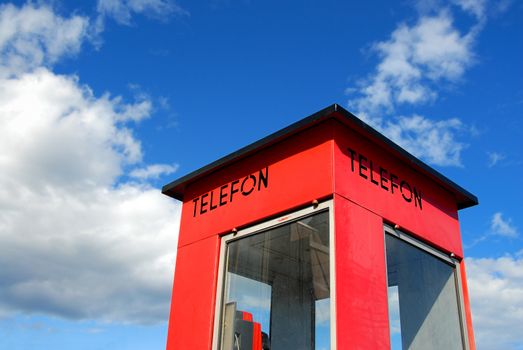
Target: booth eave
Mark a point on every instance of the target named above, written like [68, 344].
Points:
[464, 199]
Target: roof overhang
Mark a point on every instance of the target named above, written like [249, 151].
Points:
[464, 199]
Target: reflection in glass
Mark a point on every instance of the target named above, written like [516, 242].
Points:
[394, 318]
[277, 288]
[423, 304]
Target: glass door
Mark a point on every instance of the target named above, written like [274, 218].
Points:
[276, 287]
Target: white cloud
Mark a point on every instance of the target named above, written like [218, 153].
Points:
[141, 109]
[502, 227]
[122, 10]
[434, 141]
[76, 241]
[59, 134]
[494, 158]
[33, 35]
[412, 60]
[475, 7]
[153, 171]
[413, 63]
[496, 293]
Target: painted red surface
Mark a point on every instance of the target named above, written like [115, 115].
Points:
[300, 170]
[257, 337]
[247, 316]
[313, 164]
[437, 221]
[361, 281]
[466, 301]
[194, 291]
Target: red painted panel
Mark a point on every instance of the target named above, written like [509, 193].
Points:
[257, 337]
[466, 302]
[247, 316]
[361, 281]
[193, 300]
[299, 171]
[426, 210]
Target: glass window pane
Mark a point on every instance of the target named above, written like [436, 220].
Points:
[277, 288]
[423, 304]
[394, 318]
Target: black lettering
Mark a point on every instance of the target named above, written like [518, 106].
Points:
[233, 190]
[371, 175]
[195, 201]
[362, 167]
[383, 179]
[393, 183]
[246, 193]
[223, 195]
[417, 198]
[404, 184]
[211, 206]
[352, 154]
[386, 180]
[263, 178]
[204, 204]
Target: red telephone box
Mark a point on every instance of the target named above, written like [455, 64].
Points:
[323, 235]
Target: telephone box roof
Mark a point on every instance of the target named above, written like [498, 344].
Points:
[464, 199]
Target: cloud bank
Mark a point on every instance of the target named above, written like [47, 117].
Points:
[33, 36]
[413, 64]
[77, 241]
[496, 292]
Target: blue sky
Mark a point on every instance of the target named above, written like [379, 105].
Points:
[103, 102]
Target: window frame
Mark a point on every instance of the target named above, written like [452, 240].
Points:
[450, 259]
[264, 226]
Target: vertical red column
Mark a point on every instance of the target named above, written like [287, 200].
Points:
[361, 281]
[194, 294]
[466, 303]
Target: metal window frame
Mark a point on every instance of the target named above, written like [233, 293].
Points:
[264, 226]
[449, 259]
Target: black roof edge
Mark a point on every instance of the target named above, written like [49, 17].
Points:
[243, 152]
[467, 199]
